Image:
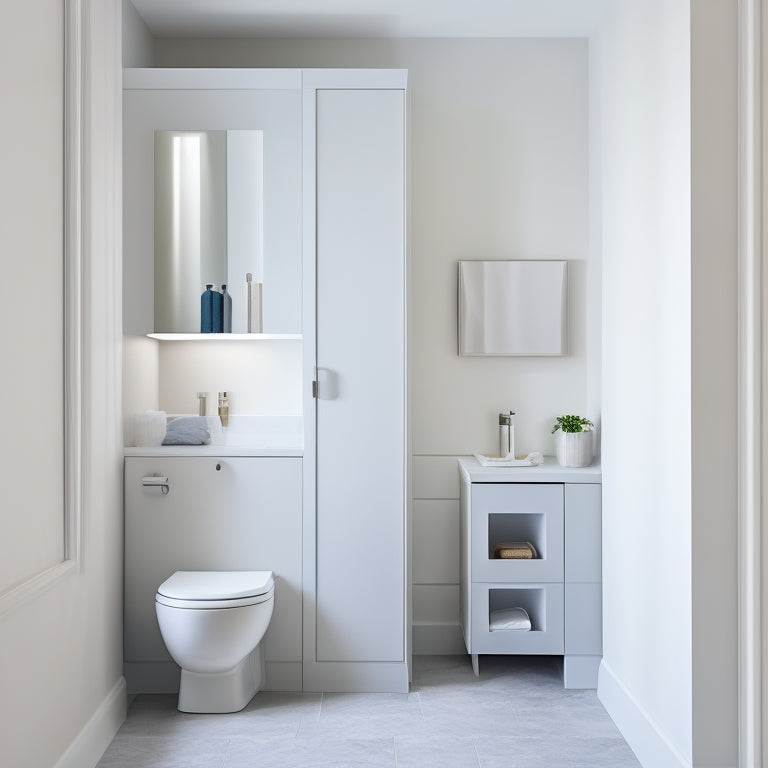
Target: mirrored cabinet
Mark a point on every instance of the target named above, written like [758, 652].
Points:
[212, 194]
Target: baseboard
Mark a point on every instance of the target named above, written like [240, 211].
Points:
[282, 676]
[646, 739]
[356, 676]
[580, 671]
[91, 743]
[437, 640]
[152, 676]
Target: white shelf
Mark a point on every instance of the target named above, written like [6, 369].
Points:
[225, 336]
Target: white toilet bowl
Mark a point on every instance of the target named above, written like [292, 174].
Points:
[212, 623]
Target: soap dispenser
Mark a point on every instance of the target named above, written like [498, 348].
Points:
[506, 435]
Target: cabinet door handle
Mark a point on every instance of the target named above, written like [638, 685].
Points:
[326, 384]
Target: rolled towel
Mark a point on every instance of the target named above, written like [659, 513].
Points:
[149, 428]
[515, 550]
[187, 430]
[510, 618]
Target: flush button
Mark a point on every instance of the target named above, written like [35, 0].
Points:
[218, 467]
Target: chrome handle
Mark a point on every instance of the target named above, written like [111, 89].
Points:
[154, 481]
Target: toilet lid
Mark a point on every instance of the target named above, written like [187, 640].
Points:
[216, 585]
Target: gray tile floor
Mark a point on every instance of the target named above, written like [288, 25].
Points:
[515, 714]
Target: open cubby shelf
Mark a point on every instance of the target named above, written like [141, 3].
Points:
[504, 527]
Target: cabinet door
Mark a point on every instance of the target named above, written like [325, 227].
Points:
[361, 375]
[221, 514]
[510, 512]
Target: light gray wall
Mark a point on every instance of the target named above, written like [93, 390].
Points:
[60, 651]
[137, 40]
[714, 375]
[31, 315]
[499, 169]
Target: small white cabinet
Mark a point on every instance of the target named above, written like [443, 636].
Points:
[558, 510]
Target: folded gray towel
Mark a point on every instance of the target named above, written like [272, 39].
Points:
[187, 430]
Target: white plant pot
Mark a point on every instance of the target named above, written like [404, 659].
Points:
[573, 449]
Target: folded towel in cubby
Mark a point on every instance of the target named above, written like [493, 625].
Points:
[515, 550]
[510, 618]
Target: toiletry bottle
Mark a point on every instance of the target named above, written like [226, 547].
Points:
[254, 305]
[257, 323]
[249, 284]
[506, 435]
[226, 325]
[224, 408]
[206, 309]
[202, 407]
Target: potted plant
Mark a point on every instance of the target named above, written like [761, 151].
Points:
[573, 440]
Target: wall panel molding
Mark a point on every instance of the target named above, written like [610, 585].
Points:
[75, 41]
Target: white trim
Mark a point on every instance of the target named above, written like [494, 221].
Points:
[75, 40]
[309, 328]
[432, 638]
[356, 677]
[92, 741]
[368, 79]
[225, 336]
[206, 79]
[73, 277]
[641, 732]
[750, 384]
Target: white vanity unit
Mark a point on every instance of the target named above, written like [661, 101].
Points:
[220, 513]
[558, 510]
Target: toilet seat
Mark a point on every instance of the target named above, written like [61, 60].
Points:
[205, 590]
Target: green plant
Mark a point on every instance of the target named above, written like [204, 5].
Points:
[571, 423]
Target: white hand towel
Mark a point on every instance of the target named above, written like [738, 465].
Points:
[510, 618]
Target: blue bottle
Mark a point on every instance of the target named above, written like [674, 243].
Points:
[206, 309]
[226, 324]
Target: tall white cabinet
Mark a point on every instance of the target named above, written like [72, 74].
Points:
[355, 406]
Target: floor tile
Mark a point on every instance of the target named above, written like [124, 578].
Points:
[554, 751]
[373, 715]
[160, 752]
[516, 713]
[273, 752]
[443, 750]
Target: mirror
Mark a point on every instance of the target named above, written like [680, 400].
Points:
[513, 307]
[209, 223]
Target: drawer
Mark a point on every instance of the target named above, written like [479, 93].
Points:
[507, 512]
[542, 602]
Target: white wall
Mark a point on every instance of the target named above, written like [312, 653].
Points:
[498, 164]
[60, 652]
[643, 76]
[664, 72]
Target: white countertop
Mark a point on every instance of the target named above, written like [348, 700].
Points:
[212, 450]
[246, 435]
[548, 472]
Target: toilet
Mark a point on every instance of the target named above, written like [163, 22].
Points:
[212, 623]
